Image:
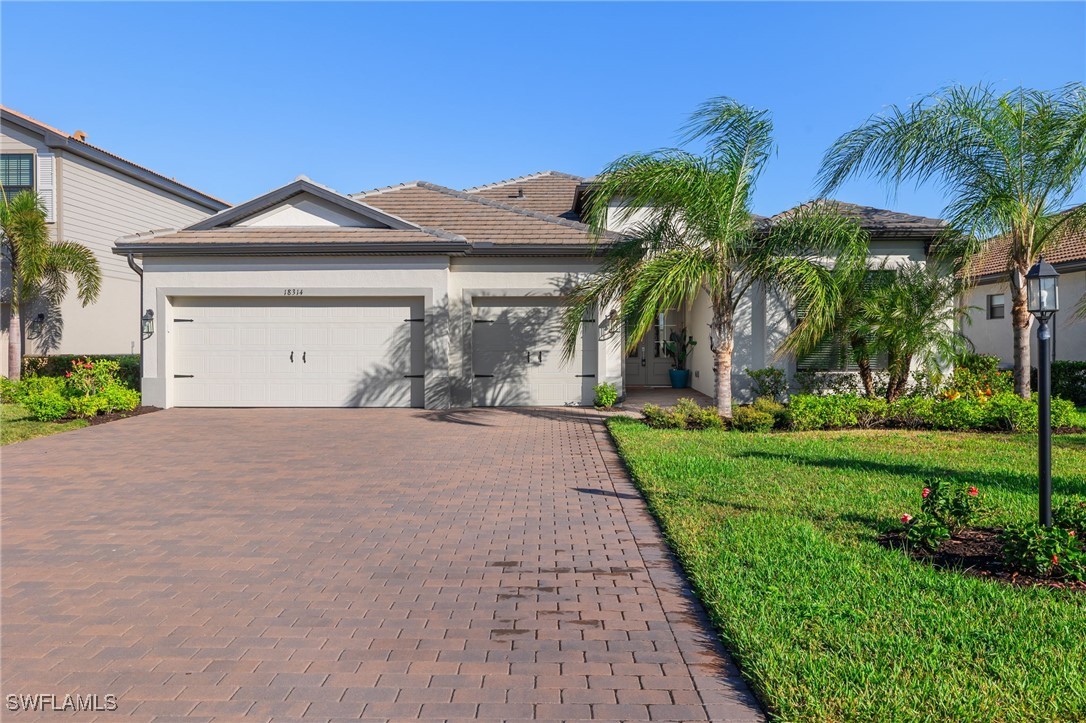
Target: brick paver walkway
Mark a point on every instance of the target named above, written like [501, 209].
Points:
[338, 564]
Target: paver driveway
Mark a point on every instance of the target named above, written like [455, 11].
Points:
[329, 564]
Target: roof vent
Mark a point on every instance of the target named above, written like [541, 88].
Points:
[80, 136]
[520, 192]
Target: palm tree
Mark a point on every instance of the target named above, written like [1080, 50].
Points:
[1007, 162]
[912, 317]
[39, 266]
[700, 236]
[833, 308]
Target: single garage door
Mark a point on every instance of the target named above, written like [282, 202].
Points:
[517, 355]
[297, 352]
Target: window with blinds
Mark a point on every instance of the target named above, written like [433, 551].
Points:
[16, 173]
[834, 354]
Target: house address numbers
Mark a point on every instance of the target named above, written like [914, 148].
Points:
[293, 292]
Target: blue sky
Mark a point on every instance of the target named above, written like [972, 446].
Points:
[236, 99]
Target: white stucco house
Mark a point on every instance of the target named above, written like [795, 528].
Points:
[988, 301]
[415, 295]
[91, 196]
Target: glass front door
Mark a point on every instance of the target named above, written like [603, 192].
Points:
[647, 363]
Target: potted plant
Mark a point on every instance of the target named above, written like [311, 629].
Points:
[678, 348]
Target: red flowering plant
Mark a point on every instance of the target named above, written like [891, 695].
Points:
[946, 507]
[1052, 552]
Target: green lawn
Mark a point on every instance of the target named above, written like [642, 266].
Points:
[17, 426]
[778, 533]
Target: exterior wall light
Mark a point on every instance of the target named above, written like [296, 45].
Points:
[1043, 301]
[148, 319]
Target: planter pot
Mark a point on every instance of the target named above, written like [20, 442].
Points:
[680, 378]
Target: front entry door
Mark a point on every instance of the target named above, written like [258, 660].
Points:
[647, 364]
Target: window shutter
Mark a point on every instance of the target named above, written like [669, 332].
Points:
[47, 171]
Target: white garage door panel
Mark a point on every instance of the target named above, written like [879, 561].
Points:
[328, 352]
[517, 355]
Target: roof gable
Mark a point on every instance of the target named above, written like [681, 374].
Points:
[303, 203]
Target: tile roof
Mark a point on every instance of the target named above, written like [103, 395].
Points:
[478, 219]
[992, 259]
[550, 192]
[72, 140]
[879, 222]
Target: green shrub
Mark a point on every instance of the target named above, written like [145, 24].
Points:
[118, 398]
[1071, 515]
[1008, 412]
[9, 390]
[750, 419]
[686, 414]
[978, 376]
[953, 504]
[1044, 551]
[1068, 381]
[658, 417]
[695, 416]
[834, 411]
[606, 395]
[769, 382]
[957, 414]
[128, 371]
[778, 411]
[910, 412]
[47, 405]
[925, 531]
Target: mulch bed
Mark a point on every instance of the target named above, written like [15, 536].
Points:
[114, 416]
[977, 552]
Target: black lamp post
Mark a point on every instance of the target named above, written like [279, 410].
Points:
[1043, 300]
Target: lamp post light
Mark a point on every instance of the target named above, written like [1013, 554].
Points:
[1043, 300]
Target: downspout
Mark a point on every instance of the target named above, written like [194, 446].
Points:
[132, 264]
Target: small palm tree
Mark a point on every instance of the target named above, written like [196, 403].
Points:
[833, 308]
[913, 318]
[700, 235]
[39, 266]
[1007, 162]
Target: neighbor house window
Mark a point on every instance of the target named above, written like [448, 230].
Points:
[996, 306]
[16, 173]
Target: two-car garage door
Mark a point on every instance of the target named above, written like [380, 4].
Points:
[367, 352]
[297, 352]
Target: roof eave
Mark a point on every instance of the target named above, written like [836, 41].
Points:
[440, 248]
[55, 140]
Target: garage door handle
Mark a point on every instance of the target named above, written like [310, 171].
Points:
[292, 357]
[303, 357]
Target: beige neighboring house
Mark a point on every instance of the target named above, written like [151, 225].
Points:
[417, 295]
[990, 330]
[91, 196]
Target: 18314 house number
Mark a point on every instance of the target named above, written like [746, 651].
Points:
[293, 292]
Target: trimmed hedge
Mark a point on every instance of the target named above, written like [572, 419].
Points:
[1069, 381]
[1005, 412]
[60, 364]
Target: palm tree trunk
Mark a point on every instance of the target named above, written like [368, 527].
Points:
[1020, 321]
[15, 345]
[863, 363]
[722, 338]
